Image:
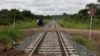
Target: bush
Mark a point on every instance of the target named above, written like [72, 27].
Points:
[15, 34]
[8, 36]
[6, 40]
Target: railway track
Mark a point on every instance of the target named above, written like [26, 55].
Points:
[51, 43]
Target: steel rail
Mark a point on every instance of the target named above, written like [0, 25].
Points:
[39, 41]
[37, 44]
[61, 41]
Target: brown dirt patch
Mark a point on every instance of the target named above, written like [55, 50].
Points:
[12, 52]
[30, 32]
[2, 48]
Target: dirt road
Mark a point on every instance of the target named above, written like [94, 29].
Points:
[84, 33]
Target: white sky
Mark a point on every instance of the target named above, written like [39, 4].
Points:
[46, 7]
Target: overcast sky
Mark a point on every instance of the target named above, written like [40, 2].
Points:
[46, 7]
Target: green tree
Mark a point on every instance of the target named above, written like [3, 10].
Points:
[4, 17]
[64, 16]
[83, 14]
[98, 0]
[27, 13]
[16, 13]
[91, 5]
[7, 16]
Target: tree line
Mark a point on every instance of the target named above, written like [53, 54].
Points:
[83, 14]
[7, 16]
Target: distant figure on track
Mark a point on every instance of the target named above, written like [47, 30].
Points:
[40, 21]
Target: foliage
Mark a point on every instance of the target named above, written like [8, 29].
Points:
[7, 16]
[25, 24]
[83, 14]
[73, 24]
[93, 5]
[85, 42]
[8, 36]
[96, 24]
[81, 20]
[98, 0]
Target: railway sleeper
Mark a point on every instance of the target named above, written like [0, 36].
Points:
[50, 53]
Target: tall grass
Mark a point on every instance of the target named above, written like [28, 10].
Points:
[80, 24]
[8, 36]
[85, 42]
[96, 24]
[26, 24]
[73, 24]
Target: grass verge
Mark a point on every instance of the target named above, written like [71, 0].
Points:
[9, 36]
[25, 24]
[73, 24]
[85, 42]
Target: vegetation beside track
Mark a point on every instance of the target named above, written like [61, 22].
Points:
[21, 25]
[90, 44]
[75, 24]
[85, 42]
[9, 36]
[25, 24]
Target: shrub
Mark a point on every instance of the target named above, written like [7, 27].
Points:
[6, 40]
[8, 36]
